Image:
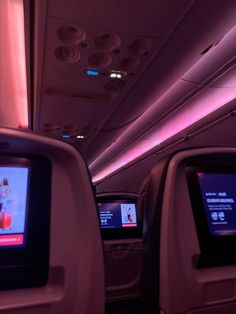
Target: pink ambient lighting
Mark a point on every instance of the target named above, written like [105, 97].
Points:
[173, 125]
[206, 100]
[13, 82]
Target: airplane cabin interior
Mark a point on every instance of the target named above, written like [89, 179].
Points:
[117, 157]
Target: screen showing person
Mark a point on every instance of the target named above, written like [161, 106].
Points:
[13, 204]
[117, 215]
[219, 198]
[128, 215]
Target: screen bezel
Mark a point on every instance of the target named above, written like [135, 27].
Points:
[27, 265]
[124, 232]
[216, 250]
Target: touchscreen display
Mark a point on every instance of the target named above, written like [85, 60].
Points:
[13, 204]
[117, 215]
[219, 198]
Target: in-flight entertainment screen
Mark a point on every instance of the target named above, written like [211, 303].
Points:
[25, 209]
[219, 198]
[13, 205]
[117, 215]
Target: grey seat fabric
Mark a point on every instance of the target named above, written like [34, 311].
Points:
[149, 206]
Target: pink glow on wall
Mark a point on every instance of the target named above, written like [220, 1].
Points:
[209, 101]
[13, 83]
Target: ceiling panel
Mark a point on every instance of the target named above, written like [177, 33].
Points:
[219, 59]
[227, 80]
[140, 17]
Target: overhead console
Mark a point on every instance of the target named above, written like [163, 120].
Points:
[25, 188]
[212, 187]
[118, 217]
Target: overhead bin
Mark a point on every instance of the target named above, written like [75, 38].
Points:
[197, 94]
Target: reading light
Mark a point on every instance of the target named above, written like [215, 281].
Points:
[117, 74]
[113, 75]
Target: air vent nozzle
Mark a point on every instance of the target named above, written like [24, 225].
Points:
[71, 34]
[67, 54]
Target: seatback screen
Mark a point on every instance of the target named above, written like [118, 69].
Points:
[219, 198]
[13, 205]
[211, 180]
[117, 215]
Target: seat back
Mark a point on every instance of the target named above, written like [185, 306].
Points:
[149, 206]
[190, 237]
[74, 270]
[122, 245]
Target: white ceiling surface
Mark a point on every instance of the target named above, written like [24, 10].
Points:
[179, 31]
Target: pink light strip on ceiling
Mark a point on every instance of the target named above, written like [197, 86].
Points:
[13, 82]
[194, 110]
[206, 103]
